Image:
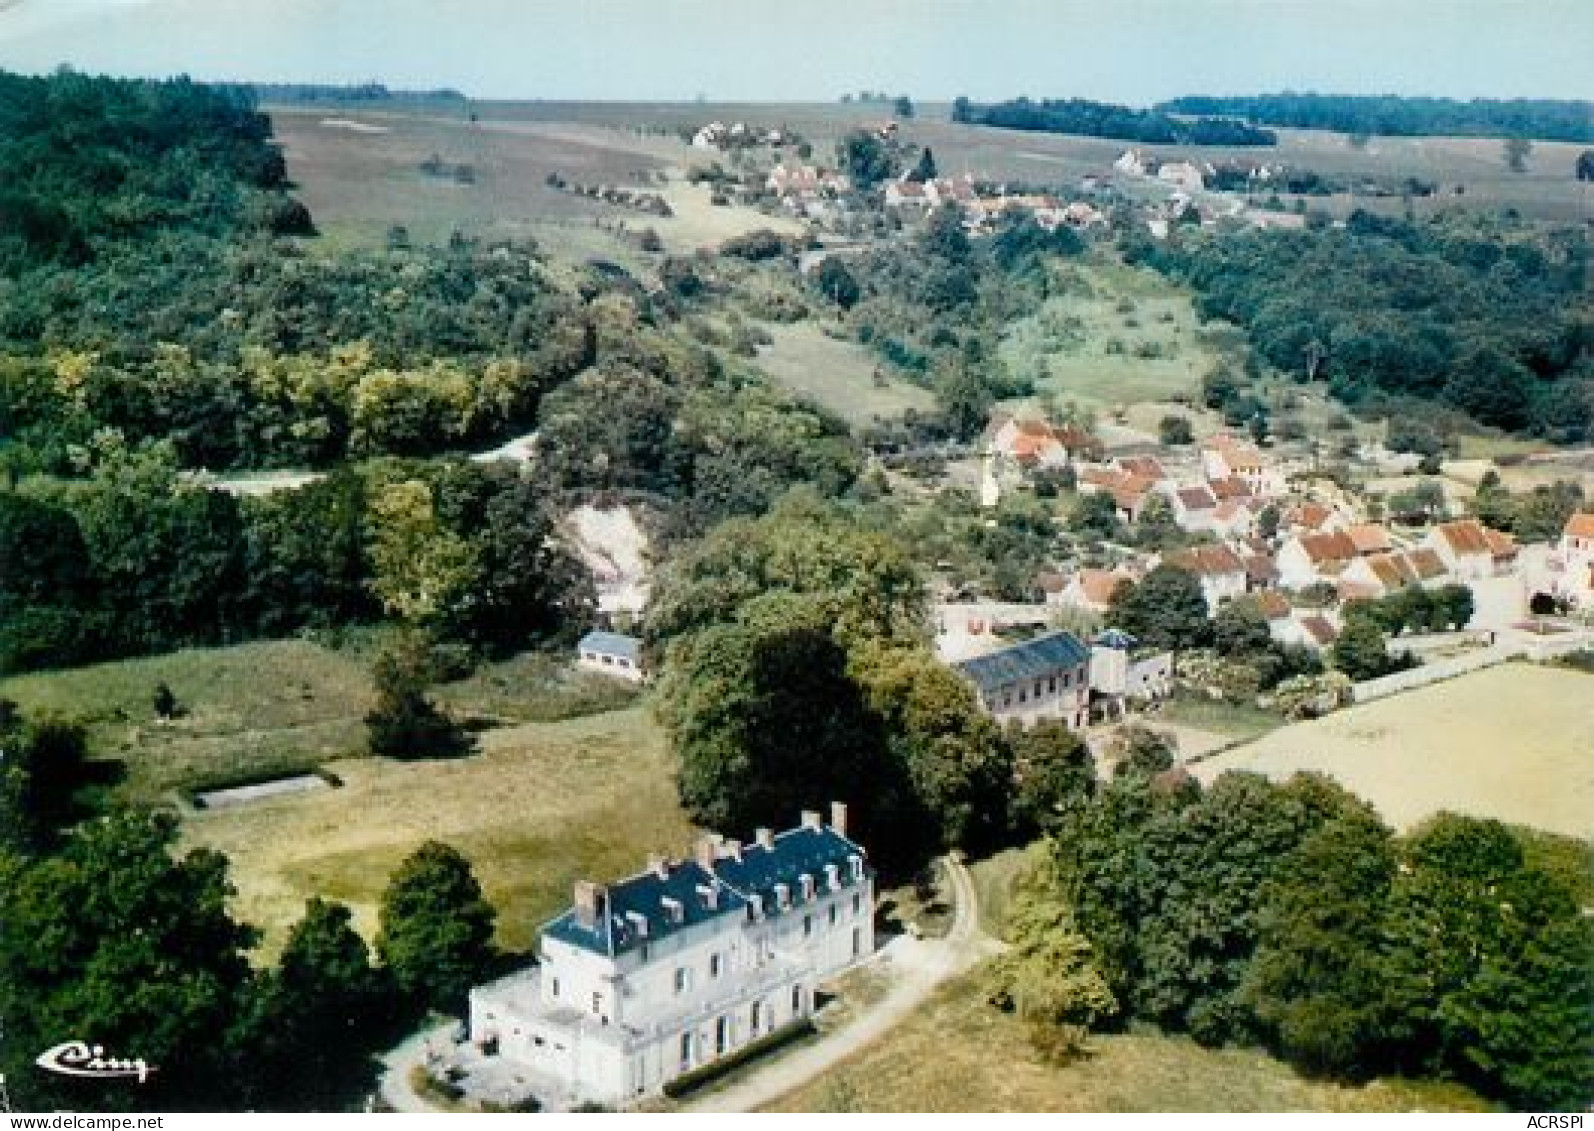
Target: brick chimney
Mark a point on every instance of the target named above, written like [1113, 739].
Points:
[591, 900]
[659, 865]
[733, 849]
[812, 819]
[765, 838]
[838, 817]
[707, 852]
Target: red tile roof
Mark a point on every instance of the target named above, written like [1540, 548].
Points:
[1336, 547]
[1580, 525]
[1208, 561]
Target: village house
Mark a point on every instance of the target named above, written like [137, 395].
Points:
[1380, 574]
[906, 193]
[1120, 671]
[1130, 492]
[1044, 678]
[1033, 443]
[1311, 630]
[1182, 175]
[950, 190]
[1194, 508]
[1472, 551]
[1224, 456]
[682, 964]
[1275, 608]
[1574, 561]
[611, 653]
[1089, 590]
[1307, 559]
[1220, 570]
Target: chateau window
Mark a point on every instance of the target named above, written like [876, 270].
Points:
[680, 979]
[555, 987]
[808, 926]
[857, 903]
[832, 914]
[714, 966]
[597, 1003]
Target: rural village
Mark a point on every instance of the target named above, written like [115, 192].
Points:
[700, 608]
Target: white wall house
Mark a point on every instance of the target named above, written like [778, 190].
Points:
[1120, 669]
[1471, 550]
[644, 980]
[1575, 561]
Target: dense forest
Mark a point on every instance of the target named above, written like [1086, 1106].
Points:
[1290, 916]
[160, 321]
[1105, 119]
[1388, 114]
[1485, 316]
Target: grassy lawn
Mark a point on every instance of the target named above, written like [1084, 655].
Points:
[837, 374]
[1118, 336]
[268, 706]
[539, 806]
[275, 706]
[993, 880]
[1217, 716]
[957, 1053]
[1509, 742]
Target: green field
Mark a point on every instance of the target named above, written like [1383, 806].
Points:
[539, 806]
[272, 707]
[837, 374]
[1117, 336]
[359, 172]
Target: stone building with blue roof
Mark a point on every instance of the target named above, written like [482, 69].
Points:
[651, 977]
[1044, 678]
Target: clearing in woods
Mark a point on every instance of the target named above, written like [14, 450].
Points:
[540, 806]
[1117, 336]
[273, 708]
[1509, 742]
[837, 374]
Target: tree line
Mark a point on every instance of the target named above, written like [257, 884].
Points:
[1290, 916]
[1485, 316]
[1394, 116]
[1105, 119]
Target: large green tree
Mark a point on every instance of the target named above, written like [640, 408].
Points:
[117, 941]
[436, 930]
[1165, 609]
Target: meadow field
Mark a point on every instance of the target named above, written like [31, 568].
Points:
[837, 374]
[273, 707]
[539, 806]
[1117, 336]
[1510, 742]
[958, 1053]
[359, 172]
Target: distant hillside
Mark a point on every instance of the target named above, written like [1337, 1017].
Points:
[1393, 116]
[1109, 120]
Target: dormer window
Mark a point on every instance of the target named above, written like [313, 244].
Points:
[807, 882]
[709, 895]
[673, 911]
[638, 923]
[832, 877]
[782, 896]
[857, 867]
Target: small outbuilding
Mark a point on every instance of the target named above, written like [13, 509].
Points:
[611, 653]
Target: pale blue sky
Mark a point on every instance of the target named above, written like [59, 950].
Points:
[1126, 50]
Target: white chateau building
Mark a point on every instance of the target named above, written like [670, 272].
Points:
[649, 978]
